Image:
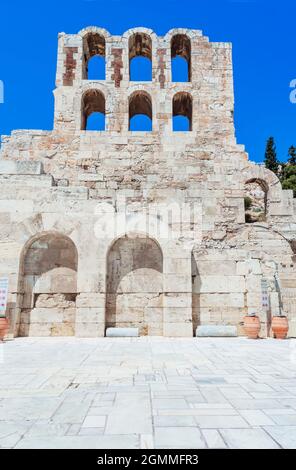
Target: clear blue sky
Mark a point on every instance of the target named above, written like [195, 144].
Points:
[264, 55]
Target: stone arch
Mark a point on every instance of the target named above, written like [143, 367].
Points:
[266, 177]
[140, 103]
[181, 47]
[48, 285]
[94, 45]
[140, 45]
[182, 105]
[268, 182]
[255, 200]
[92, 101]
[134, 284]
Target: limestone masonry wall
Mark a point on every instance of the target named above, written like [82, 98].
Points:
[132, 228]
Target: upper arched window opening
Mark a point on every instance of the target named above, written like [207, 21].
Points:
[94, 48]
[182, 112]
[93, 111]
[140, 112]
[181, 58]
[140, 57]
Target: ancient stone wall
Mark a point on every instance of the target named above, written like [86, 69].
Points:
[74, 202]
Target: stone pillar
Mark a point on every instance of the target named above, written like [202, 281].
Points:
[177, 306]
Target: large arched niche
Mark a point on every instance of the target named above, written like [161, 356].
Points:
[48, 286]
[135, 285]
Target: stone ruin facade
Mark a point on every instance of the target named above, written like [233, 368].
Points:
[146, 229]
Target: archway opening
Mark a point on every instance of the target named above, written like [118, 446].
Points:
[181, 58]
[182, 112]
[94, 51]
[93, 111]
[140, 57]
[135, 285]
[48, 287]
[255, 200]
[140, 112]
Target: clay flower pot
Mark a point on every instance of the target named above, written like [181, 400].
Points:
[252, 326]
[4, 325]
[280, 326]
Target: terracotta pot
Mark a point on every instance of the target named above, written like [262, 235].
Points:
[252, 326]
[280, 327]
[4, 325]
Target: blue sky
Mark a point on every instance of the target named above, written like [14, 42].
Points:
[264, 55]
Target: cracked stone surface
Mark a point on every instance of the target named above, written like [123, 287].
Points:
[147, 392]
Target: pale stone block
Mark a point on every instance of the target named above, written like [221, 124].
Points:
[90, 299]
[212, 268]
[89, 330]
[177, 266]
[178, 329]
[177, 283]
[217, 284]
[122, 332]
[90, 315]
[227, 300]
[177, 300]
[175, 314]
[253, 283]
[216, 330]
[14, 167]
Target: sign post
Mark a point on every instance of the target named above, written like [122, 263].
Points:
[266, 304]
[3, 295]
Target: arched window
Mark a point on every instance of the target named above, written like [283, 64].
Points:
[181, 58]
[93, 111]
[94, 57]
[255, 200]
[140, 112]
[140, 57]
[182, 112]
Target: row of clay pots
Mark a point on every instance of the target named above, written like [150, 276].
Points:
[279, 326]
[4, 325]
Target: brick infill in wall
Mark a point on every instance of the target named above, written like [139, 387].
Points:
[161, 66]
[117, 65]
[70, 65]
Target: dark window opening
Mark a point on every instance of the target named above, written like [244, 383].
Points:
[181, 58]
[140, 112]
[93, 111]
[94, 57]
[182, 112]
[140, 57]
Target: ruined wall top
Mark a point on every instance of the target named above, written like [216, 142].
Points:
[206, 98]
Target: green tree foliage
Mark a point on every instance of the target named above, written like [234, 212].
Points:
[290, 183]
[292, 155]
[288, 173]
[270, 160]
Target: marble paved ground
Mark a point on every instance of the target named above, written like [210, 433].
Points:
[147, 393]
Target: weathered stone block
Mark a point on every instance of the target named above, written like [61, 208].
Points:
[216, 330]
[122, 332]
